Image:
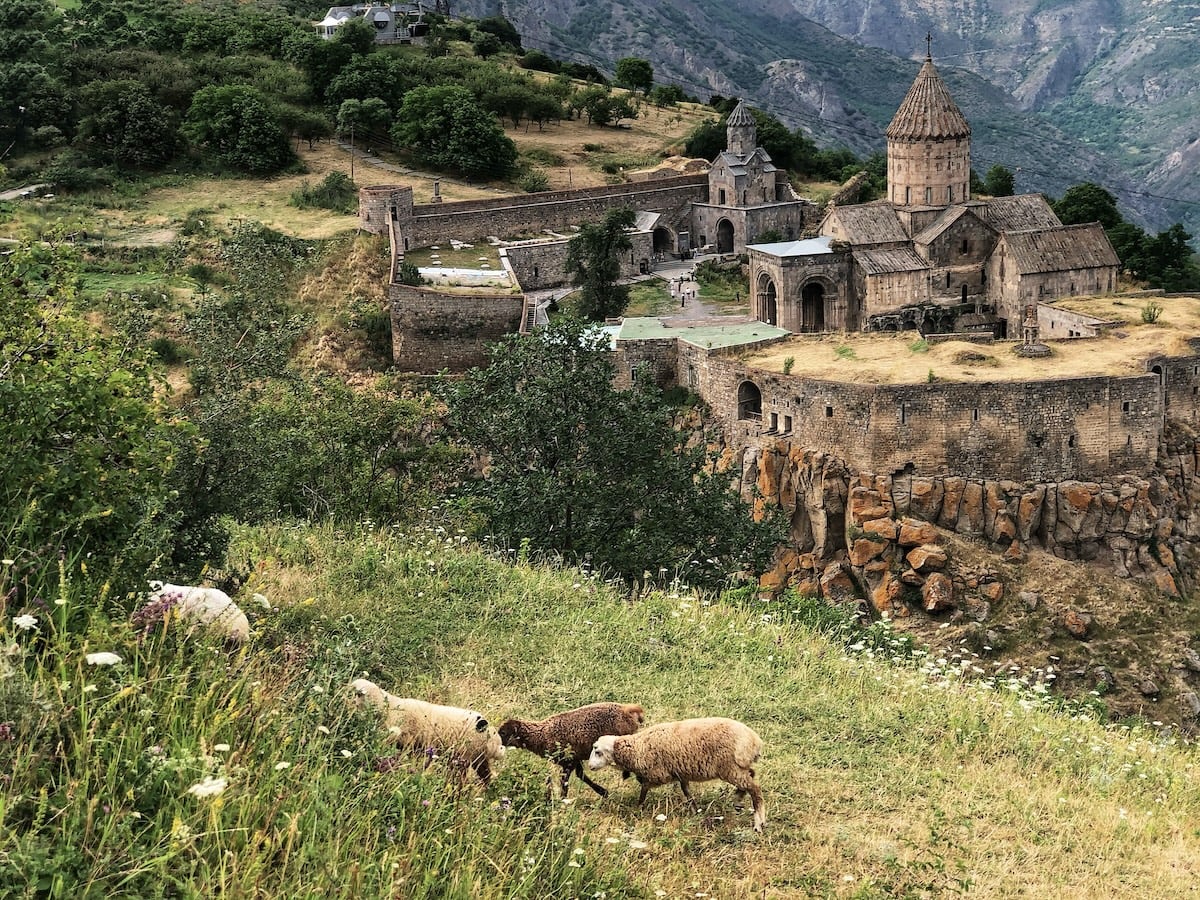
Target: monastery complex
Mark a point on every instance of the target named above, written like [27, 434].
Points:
[964, 362]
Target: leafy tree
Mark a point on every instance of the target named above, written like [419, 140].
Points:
[357, 34]
[999, 182]
[539, 61]
[370, 116]
[128, 126]
[485, 44]
[594, 264]
[88, 442]
[706, 140]
[504, 30]
[310, 126]
[579, 468]
[445, 127]
[1170, 263]
[237, 124]
[541, 109]
[666, 95]
[635, 73]
[1088, 202]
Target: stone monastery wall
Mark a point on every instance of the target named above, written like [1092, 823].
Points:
[434, 330]
[474, 220]
[1050, 430]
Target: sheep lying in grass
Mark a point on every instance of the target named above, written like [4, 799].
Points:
[418, 725]
[567, 738]
[691, 750]
[195, 607]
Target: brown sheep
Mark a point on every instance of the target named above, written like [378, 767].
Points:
[691, 750]
[567, 738]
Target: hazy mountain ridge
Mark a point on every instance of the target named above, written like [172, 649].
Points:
[844, 93]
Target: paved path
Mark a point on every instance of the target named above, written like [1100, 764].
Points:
[22, 192]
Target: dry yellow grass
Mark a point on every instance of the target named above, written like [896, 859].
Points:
[905, 359]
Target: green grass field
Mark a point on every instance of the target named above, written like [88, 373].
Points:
[190, 770]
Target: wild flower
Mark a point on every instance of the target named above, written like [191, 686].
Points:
[103, 659]
[281, 765]
[25, 622]
[638, 845]
[209, 787]
[220, 748]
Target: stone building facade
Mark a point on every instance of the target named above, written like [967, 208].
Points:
[929, 257]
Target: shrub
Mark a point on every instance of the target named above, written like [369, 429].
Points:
[787, 365]
[336, 192]
[533, 181]
[1151, 311]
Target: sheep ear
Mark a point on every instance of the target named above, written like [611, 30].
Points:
[482, 725]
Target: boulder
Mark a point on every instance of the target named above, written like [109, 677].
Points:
[914, 533]
[881, 528]
[864, 550]
[937, 594]
[927, 557]
[1078, 624]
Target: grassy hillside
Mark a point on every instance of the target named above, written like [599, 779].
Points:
[886, 775]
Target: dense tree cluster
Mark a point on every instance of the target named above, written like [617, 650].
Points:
[1164, 260]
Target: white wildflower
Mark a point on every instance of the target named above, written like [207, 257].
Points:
[321, 729]
[661, 817]
[90, 689]
[209, 787]
[347, 754]
[25, 622]
[261, 601]
[220, 748]
[280, 766]
[637, 845]
[103, 659]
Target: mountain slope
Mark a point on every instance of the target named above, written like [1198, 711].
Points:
[844, 93]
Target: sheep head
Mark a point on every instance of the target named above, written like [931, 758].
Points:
[602, 752]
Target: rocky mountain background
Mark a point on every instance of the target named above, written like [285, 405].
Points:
[1060, 91]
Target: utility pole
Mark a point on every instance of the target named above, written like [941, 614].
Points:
[351, 151]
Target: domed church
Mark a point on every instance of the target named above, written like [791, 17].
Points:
[929, 258]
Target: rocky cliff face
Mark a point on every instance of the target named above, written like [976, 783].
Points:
[1083, 579]
[1137, 527]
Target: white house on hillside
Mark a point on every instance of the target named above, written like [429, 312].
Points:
[397, 23]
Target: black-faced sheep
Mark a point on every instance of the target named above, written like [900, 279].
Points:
[567, 738]
[418, 725]
[686, 751]
[195, 607]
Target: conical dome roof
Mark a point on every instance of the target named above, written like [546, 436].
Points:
[740, 115]
[928, 111]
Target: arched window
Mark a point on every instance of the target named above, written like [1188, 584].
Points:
[749, 401]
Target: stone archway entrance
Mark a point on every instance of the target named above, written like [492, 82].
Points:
[768, 309]
[724, 236]
[664, 241]
[812, 307]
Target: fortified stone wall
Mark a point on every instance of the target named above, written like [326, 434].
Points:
[1053, 430]
[434, 330]
[472, 220]
[659, 357]
[543, 264]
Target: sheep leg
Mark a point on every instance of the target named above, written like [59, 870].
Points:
[683, 786]
[739, 795]
[645, 791]
[579, 771]
[483, 770]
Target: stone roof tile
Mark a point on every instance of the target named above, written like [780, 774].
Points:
[1061, 249]
[928, 111]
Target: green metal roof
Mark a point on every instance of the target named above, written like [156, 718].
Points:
[712, 332]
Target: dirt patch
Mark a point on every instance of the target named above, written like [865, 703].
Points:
[900, 359]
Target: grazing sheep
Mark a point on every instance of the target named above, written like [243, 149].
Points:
[417, 725]
[198, 607]
[567, 738]
[691, 750]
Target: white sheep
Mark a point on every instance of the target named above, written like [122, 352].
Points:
[197, 607]
[686, 751]
[419, 725]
